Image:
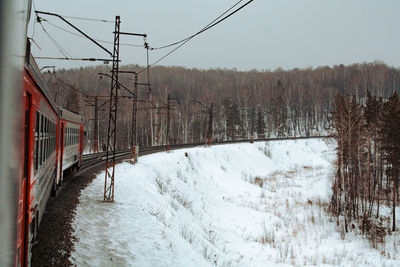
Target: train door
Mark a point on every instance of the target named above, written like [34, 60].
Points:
[23, 251]
[61, 150]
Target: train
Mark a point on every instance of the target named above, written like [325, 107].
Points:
[51, 147]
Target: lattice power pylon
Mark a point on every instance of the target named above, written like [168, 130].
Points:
[134, 118]
[209, 132]
[112, 119]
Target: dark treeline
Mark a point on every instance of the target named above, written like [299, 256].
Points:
[368, 153]
[276, 103]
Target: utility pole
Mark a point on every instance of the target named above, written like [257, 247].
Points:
[95, 133]
[133, 144]
[209, 130]
[112, 119]
[134, 113]
[168, 137]
[168, 122]
[97, 108]
[96, 126]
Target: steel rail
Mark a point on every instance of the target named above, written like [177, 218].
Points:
[90, 161]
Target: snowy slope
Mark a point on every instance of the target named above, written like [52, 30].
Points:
[260, 204]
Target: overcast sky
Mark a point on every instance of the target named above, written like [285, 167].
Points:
[267, 34]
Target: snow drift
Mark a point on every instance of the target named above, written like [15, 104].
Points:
[261, 204]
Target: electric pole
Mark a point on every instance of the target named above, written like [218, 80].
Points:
[210, 111]
[112, 119]
[95, 103]
[209, 130]
[168, 137]
[134, 113]
[168, 122]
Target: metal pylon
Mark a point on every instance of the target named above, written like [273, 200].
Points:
[209, 132]
[134, 118]
[112, 119]
[96, 126]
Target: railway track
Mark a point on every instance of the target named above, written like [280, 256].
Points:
[93, 160]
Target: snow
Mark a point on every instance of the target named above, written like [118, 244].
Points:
[261, 204]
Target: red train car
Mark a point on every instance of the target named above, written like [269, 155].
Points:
[71, 137]
[50, 136]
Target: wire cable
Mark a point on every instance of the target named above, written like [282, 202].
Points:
[90, 19]
[191, 37]
[178, 42]
[59, 47]
[79, 35]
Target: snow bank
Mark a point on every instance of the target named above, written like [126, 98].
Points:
[260, 204]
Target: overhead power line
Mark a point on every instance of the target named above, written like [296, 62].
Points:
[59, 47]
[178, 42]
[209, 26]
[90, 19]
[79, 35]
[73, 26]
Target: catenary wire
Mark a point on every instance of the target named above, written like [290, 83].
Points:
[79, 35]
[90, 19]
[59, 47]
[189, 37]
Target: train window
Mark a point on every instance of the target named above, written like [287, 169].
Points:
[41, 140]
[48, 139]
[54, 138]
[45, 140]
[36, 152]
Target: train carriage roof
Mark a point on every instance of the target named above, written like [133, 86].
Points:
[70, 116]
[34, 71]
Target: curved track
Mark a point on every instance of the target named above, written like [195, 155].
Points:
[90, 161]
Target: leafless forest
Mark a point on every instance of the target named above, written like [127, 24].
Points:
[368, 138]
[358, 104]
[276, 103]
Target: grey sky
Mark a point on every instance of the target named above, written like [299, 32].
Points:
[265, 35]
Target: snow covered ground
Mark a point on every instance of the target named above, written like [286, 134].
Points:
[261, 204]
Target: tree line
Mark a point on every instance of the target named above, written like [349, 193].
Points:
[367, 132]
[249, 104]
